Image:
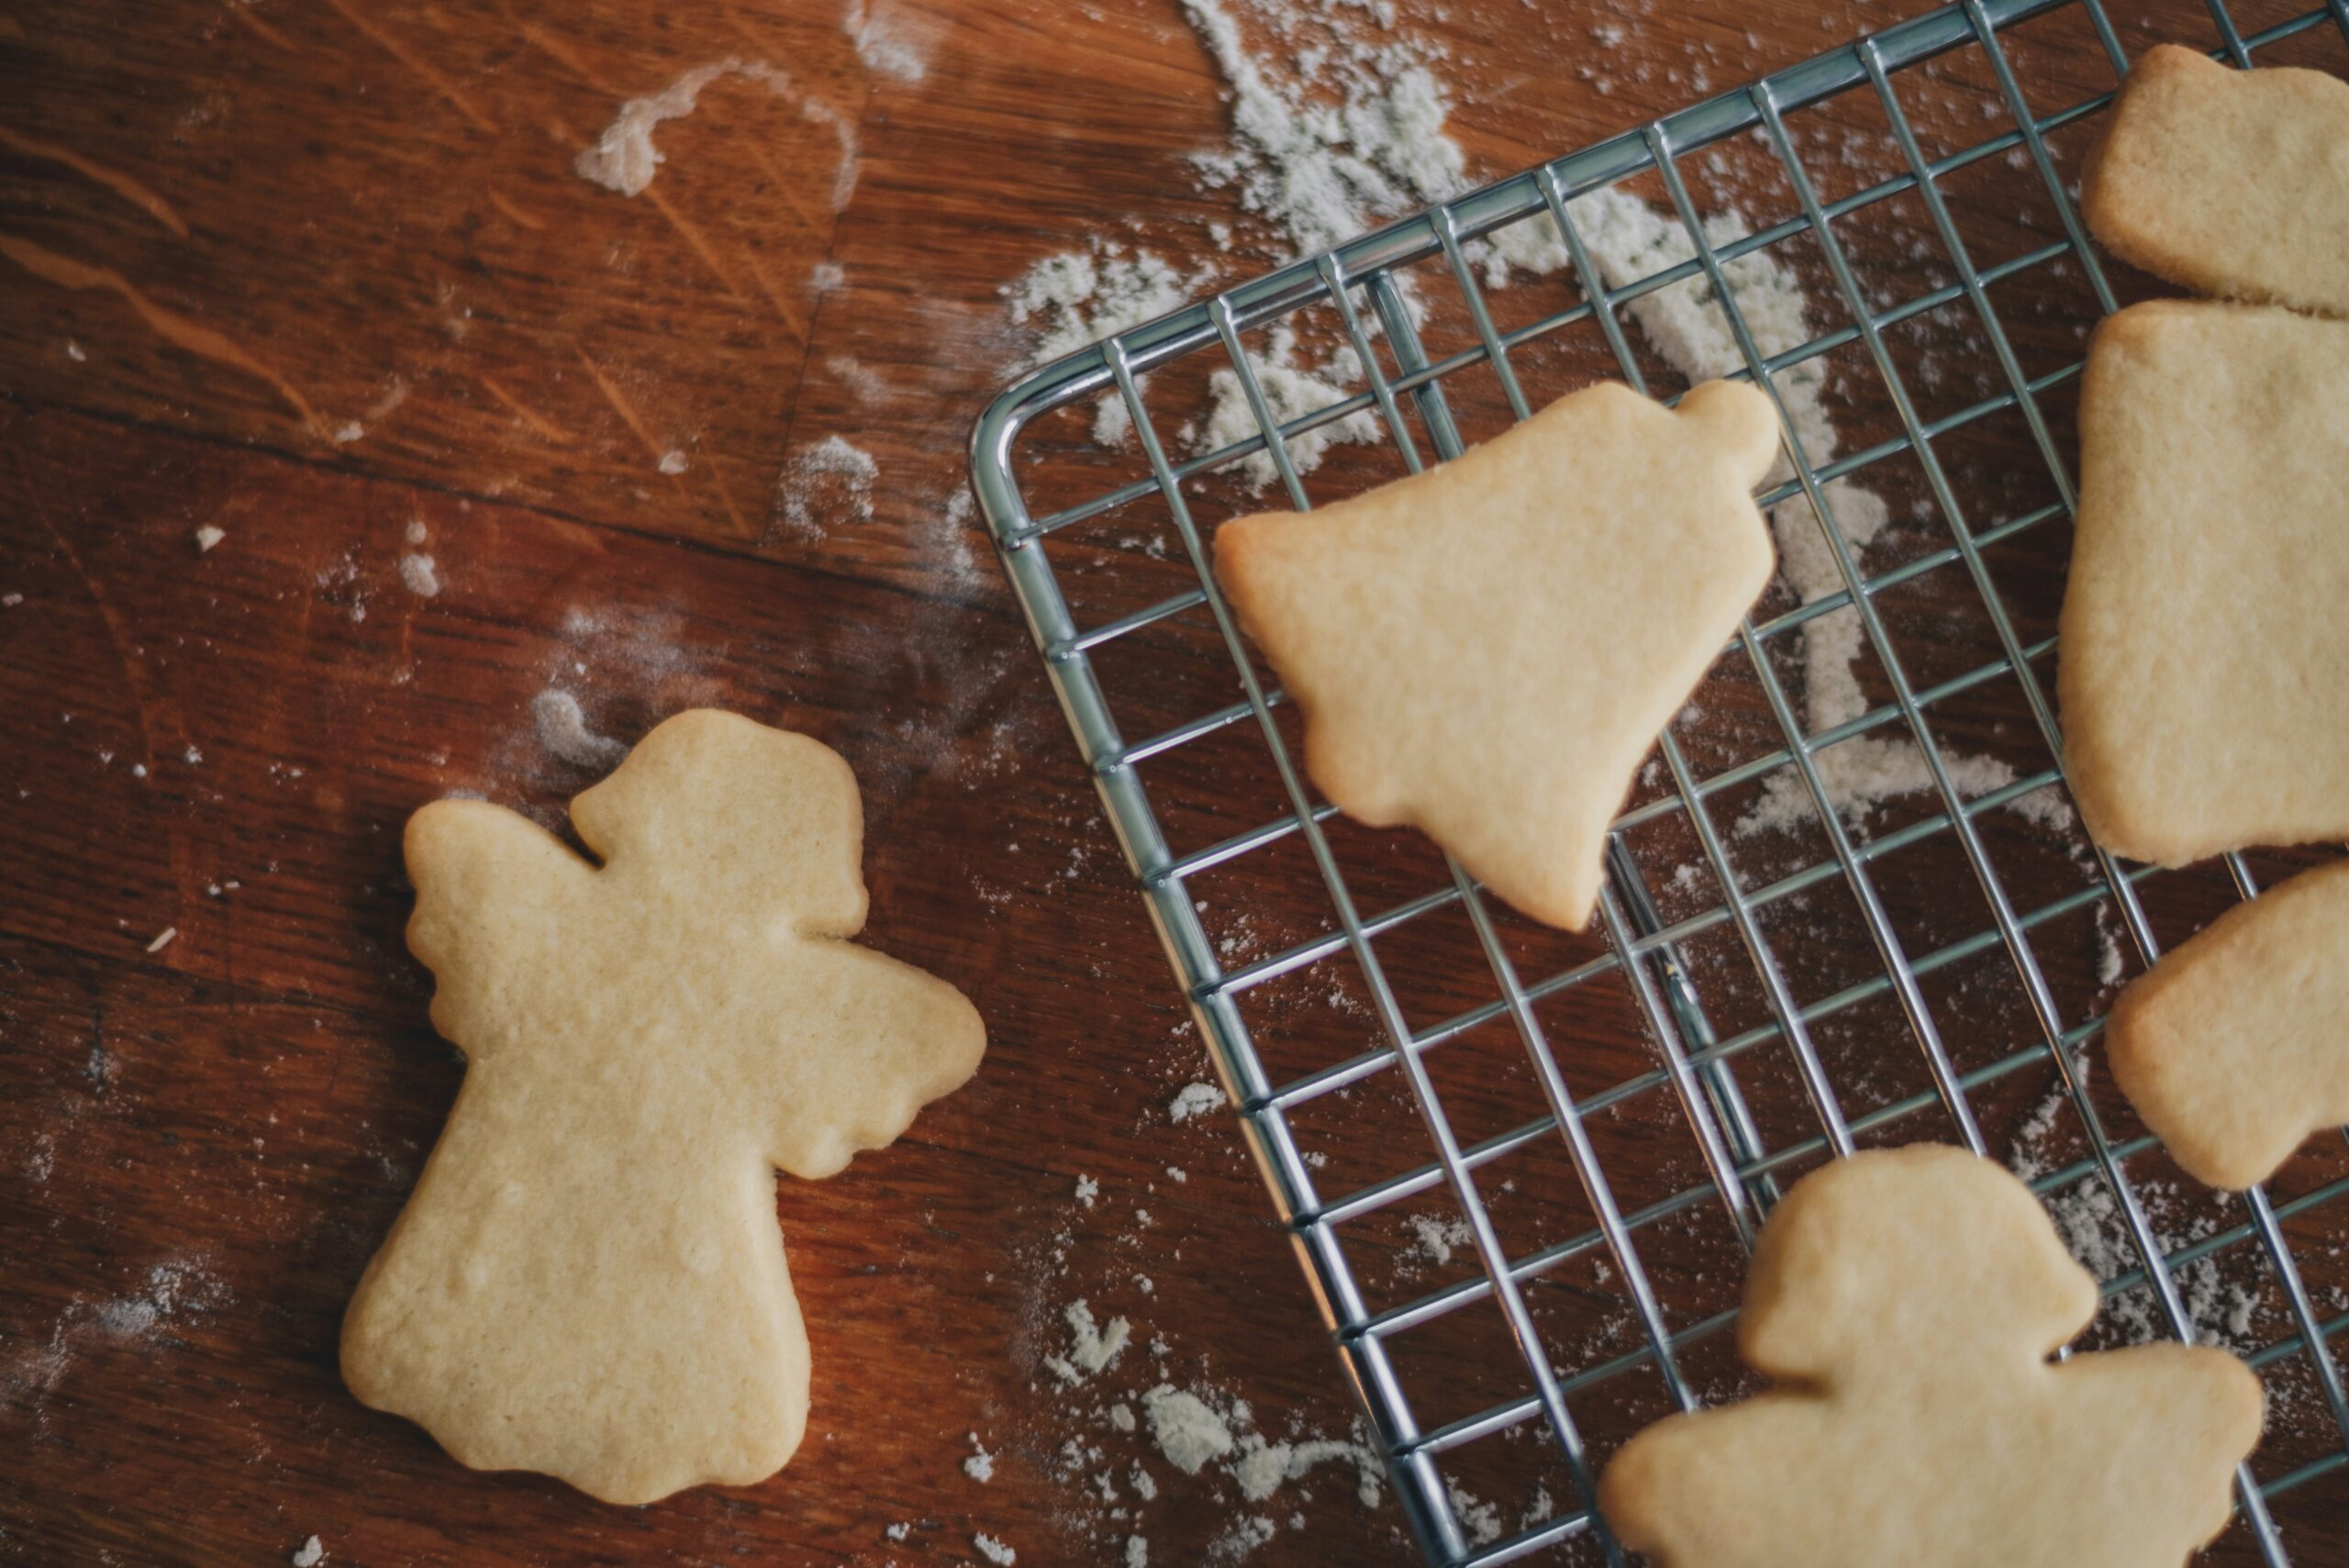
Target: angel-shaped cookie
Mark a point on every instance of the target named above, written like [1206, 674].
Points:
[588, 1280]
[1906, 1301]
[1487, 650]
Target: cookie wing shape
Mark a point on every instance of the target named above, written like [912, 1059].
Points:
[588, 1280]
[1906, 1302]
[2235, 1046]
[2230, 182]
[1487, 650]
[2204, 643]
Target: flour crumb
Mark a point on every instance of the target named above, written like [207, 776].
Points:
[673, 462]
[1093, 1346]
[623, 158]
[899, 1531]
[1197, 1099]
[1187, 1431]
[1121, 1416]
[995, 1550]
[163, 939]
[1290, 393]
[562, 730]
[980, 1465]
[1088, 1191]
[206, 537]
[419, 575]
[1136, 1552]
[310, 1553]
[352, 431]
[834, 476]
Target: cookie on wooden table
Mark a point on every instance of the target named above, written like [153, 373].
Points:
[2231, 183]
[2204, 645]
[1487, 650]
[588, 1280]
[1907, 1301]
[2235, 1046]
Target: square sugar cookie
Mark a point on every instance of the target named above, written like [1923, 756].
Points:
[2204, 644]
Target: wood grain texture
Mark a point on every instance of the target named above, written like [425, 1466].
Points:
[322, 277]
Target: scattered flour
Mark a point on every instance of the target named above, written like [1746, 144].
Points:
[1088, 1192]
[673, 462]
[162, 939]
[1186, 1429]
[994, 1550]
[980, 1467]
[1080, 297]
[1480, 1519]
[1197, 1099]
[310, 1553]
[1437, 1237]
[206, 537]
[419, 575]
[1262, 1466]
[834, 475]
[1345, 137]
[1290, 393]
[1136, 1552]
[883, 43]
[562, 730]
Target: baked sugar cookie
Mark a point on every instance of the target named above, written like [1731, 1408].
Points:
[2230, 182]
[588, 1280]
[1906, 1301]
[2235, 1046]
[2204, 648]
[1487, 650]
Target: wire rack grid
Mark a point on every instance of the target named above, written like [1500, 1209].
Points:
[1695, 1063]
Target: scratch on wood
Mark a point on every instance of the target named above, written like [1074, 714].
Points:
[741, 524]
[498, 201]
[775, 296]
[790, 197]
[562, 54]
[121, 184]
[528, 414]
[205, 342]
[620, 405]
[431, 73]
[693, 237]
[268, 34]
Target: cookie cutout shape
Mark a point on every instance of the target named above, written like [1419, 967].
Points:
[588, 1280]
[2230, 182]
[1906, 1301]
[2235, 1046]
[1487, 650]
[2204, 642]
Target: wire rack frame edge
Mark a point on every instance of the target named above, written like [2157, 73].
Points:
[1640, 945]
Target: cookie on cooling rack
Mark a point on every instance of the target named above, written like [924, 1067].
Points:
[1487, 650]
[2235, 1046]
[2231, 183]
[1907, 1301]
[2204, 646]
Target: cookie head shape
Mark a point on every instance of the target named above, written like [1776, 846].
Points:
[1487, 650]
[2234, 1048]
[588, 1280]
[1905, 1302]
[2230, 182]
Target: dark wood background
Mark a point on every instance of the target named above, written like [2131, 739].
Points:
[320, 275]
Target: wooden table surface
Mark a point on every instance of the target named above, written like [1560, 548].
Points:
[322, 276]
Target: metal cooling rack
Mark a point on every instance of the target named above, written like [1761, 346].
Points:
[1695, 1063]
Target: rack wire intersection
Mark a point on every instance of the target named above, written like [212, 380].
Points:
[1695, 1063]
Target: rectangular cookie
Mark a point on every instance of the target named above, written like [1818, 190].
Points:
[2204, 645]
[2230, 182]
